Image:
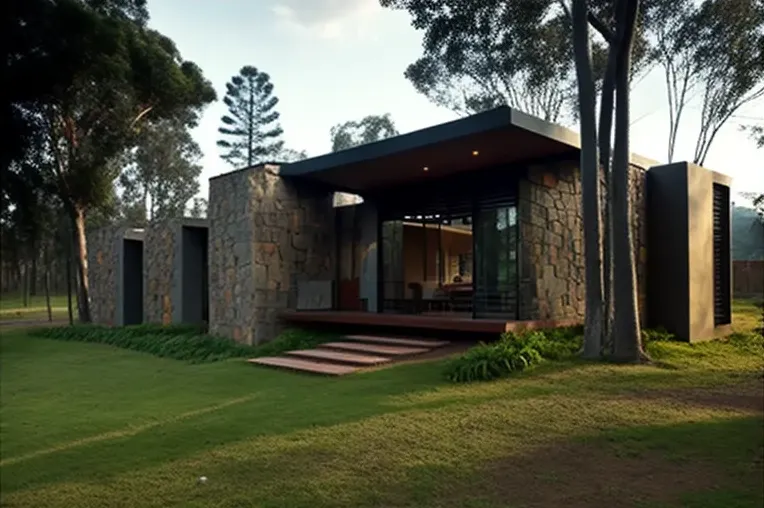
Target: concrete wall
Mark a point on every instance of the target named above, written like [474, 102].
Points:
[681, 264]
[550, 218]
[267, 237]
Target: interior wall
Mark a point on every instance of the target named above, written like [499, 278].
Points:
[194, 272]
[132, 282]
[415, 241]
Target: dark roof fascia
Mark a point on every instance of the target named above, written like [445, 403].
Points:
[482, 122]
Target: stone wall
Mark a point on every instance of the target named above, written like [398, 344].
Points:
[160, 251]
[104, 246]
[266, 236]
[551, 253]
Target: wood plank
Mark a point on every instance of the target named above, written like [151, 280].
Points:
[298, 364]
[397, 341]
[375, 349]
[340, 356]
[446, 322]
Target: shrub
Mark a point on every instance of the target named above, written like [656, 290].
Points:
[513, 353]
[182, 342]
[656, 334]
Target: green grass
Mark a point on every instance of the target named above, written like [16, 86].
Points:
[182, 342]
[85, 424]
[12, 307]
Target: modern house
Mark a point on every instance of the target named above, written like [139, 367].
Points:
[472, 225]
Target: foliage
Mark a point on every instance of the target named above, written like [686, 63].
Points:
[747, 233]
[188, 343]
[83, 76]
[198, 209]
[366, 130]
[251, 129]
[513, 352]
[162, 173]
[291, 155]
[730, 56]
[656, 334]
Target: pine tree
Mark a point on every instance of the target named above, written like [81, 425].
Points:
[251, 129]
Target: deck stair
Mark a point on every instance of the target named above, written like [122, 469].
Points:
[349, 355]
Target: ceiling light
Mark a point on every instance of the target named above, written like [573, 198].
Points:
[425, 168]
[475, 153]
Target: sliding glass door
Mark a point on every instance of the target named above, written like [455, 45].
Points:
[496, 275]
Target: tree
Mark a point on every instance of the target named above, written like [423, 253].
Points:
[452, 28]
[291, 155]
[367, 130]
[730, 56]
[198, 209]
[251, 129]
[162, 174]
[85, 76]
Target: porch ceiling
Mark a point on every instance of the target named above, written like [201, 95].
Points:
[499, 136]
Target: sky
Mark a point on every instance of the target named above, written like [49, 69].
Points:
[337, 60]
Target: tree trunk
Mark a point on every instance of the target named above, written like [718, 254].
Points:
[25, 284]
[81, 248]
[47, 284]
[627, 346]
[69, 261]
[589, 181]
[33, 273]
[605, 131]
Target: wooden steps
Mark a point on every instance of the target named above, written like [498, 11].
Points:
[375, 349]
[344, 357]
[339, 357]
[397, 341]
[330, 369]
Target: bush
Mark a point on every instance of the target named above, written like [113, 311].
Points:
[656, 335]
[183, 342]
[513, 353]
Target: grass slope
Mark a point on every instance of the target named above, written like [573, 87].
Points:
[12, 307]
[91, 425]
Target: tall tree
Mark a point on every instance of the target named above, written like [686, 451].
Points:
[162, 175]
[85, 76]
[452, 28]
[730, 56]
[251, 128]
[366, 130]
[198, 209]
[291, 155]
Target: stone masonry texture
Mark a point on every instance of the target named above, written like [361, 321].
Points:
[159, 276]
[103, 266]
[266, 234]
[551, 241]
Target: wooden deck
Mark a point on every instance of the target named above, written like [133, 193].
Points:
[410, 321]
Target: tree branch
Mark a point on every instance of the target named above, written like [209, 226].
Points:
[601, 27]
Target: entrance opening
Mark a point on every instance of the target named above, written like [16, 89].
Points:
[195, 307]
[427, 265]
[132, 282]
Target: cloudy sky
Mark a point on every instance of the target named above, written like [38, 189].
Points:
[338, 60]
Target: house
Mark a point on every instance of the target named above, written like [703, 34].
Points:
[472, 225]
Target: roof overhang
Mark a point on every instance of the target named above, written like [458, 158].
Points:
[502, 136]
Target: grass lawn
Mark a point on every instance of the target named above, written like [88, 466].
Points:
[12, 307]
[91, 425]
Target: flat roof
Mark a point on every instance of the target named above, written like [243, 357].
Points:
[499, 137]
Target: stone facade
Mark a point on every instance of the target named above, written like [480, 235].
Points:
[103, 271]
[551, 249]
[160, 274]
[266, 235]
